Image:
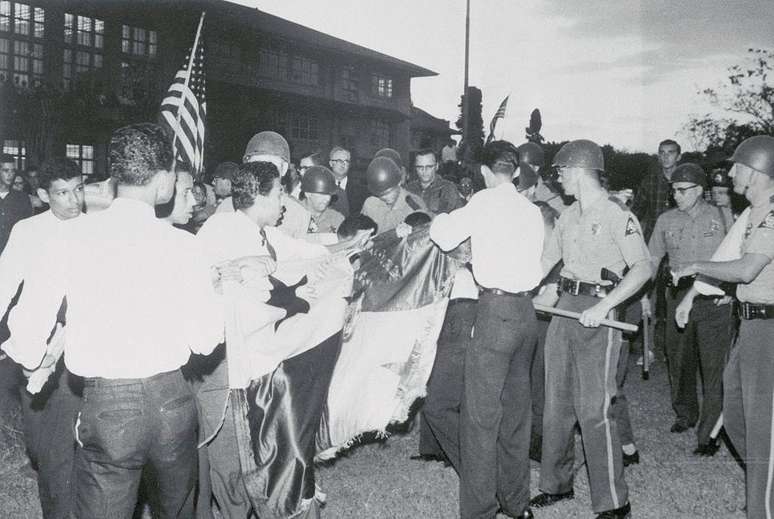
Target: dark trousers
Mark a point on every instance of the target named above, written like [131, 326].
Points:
[581, 369]
[49, 421]
[124, 426]
[748, 415]
[444, 392]
[701, 347]
[495, 413]
[538, 377]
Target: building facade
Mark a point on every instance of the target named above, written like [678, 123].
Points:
[71, 71]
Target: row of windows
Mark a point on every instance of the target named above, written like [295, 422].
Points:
[83, 154]
[22, 19]
[21, 62]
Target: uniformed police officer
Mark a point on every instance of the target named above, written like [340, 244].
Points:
[691, 232]
[748, 400]
[440, 195]
[581, 358]
[318, 186]
[390, 203]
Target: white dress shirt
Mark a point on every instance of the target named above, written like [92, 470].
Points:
[31, 247]
[506, 232]
[139, 297]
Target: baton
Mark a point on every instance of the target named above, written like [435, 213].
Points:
[619, 325]
[646, 336]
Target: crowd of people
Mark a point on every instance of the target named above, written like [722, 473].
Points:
[134, 269]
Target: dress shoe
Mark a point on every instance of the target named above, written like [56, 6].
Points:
[680, 427]
[631, 459]
[707, 449]
[526, 514]
[619, 513]
[542, 500]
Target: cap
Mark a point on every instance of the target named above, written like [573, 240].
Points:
[225, 170]
[689, 172]
[268, 143]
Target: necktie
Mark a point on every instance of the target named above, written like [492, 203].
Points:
[265, 242]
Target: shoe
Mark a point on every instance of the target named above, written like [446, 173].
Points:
[631, 459]
[432, 457]
[542, 500]
[526, 514]
[619, 513]
[680, 427]
[707, 449]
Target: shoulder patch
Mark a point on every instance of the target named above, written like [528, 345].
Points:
[631, 227]
[768, 222]
[618, 202]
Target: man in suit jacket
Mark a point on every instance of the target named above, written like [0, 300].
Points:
[351, 192]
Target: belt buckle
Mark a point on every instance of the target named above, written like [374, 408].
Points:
[575, 290]
[747, 311]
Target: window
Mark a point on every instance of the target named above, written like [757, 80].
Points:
[21, 61]
[17, 149]
[305, 71]
[381, 85]
[83, 154]
[273, 63]
[22, 19]
[305, 127]
[84, 38]
[139, 42]
[380, 133]
[348, 82]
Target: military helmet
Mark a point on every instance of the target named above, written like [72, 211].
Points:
[580, 154]
[720, 178]
[532, 153]
[390, 154]
[689, 172]
[318, 179]
[267, 143]
[757, 153]
[382, 175]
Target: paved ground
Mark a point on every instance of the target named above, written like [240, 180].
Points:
[379, 481]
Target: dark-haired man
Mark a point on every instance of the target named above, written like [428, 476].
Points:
[139, 300]
[50, 414]
[14, 205]
[440, 195]
[654, 194]
[490, 452]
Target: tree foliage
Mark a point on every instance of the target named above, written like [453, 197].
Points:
[473, 141]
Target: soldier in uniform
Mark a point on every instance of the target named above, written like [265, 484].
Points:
[748, 400]
[691, 232]
[440, 195]
[318, 186]
[390, 203]
[597, 232]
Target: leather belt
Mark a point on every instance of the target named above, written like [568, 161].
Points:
[749, 311]
[498, 292]
[583, 288]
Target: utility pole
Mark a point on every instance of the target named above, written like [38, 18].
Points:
[466, 101]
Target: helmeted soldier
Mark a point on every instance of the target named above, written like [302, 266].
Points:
[748, 400]
[595, 233]
[390, 203]
[689, 232]
[532, 161]
[318, 187]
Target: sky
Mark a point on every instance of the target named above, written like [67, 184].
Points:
[623, 72]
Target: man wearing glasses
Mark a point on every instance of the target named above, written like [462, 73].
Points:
[691, 232]
[351, 194]
[439, 194]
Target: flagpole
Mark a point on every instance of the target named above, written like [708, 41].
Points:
[466, 101]
[185, 84]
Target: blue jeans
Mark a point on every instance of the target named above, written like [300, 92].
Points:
[124, 425]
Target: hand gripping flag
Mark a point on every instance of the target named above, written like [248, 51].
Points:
[184, 108]
[499, 114]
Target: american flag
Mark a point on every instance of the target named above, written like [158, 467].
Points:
[184, 108]
[499, 114]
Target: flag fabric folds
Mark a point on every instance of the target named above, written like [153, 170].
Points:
[499, 114]
[184, 108]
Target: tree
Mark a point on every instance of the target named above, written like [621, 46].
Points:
[473, 141]
[746, 96]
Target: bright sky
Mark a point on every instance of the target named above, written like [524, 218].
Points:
[624, 72]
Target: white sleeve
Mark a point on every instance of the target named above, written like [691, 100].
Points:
[450, 229]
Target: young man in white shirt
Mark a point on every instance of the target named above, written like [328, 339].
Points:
[139, 300]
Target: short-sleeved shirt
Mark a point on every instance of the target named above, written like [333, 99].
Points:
[441, 196]
[759, 239]
[328, 221]
[605, 235]
[687, 237]
[388, 218]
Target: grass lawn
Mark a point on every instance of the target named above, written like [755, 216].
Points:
[378, 481]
